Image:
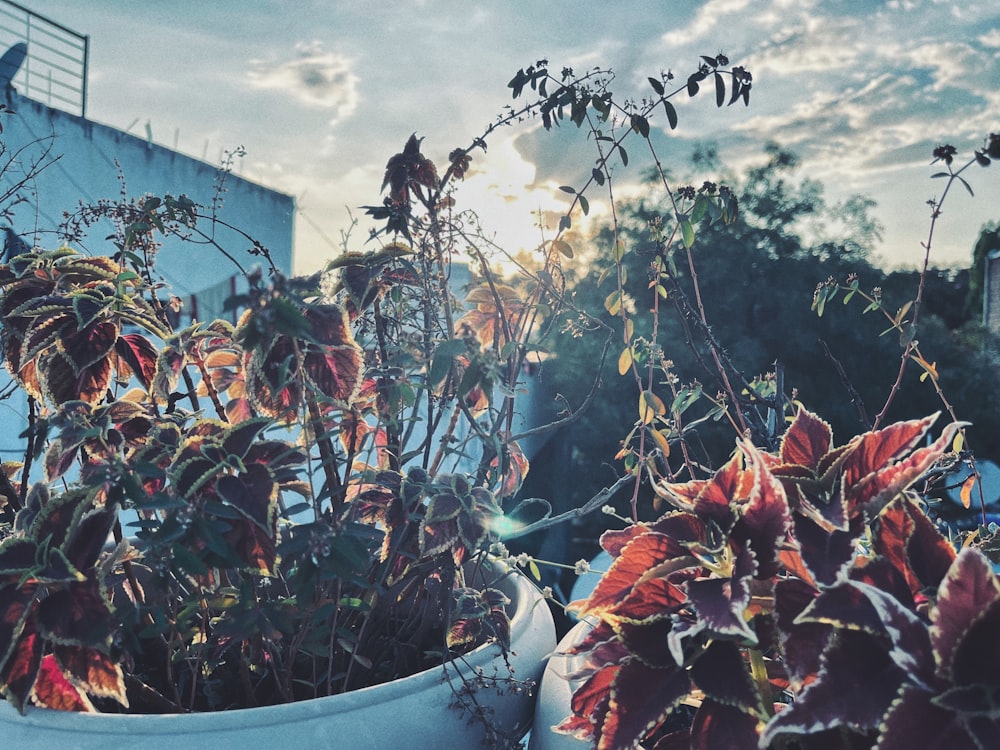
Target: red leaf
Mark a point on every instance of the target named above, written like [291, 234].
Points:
[53, 690]
[729, 485]
[643, 553]
[20, 662]
[908, 538]
[807, 440]
[765, 518]
[93, 671]
[139, 354]
[641, 698]
[717, 725]
[871, 479]
[589, 704]
[967, 594]
[614, 540]
[92, 344]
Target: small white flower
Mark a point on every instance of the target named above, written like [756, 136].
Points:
[581, 567]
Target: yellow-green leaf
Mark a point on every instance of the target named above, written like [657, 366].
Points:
[650, 407]
[687, 231]
[959, 442]
[966, 492]
[625, 360]
[563, 247]
[613, 303]
[535, 572]
[661, 442]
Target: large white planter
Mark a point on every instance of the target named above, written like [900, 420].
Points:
[554, 694]
[416, 712]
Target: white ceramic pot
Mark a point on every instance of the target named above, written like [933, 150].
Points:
[415, 712]
[554, 694]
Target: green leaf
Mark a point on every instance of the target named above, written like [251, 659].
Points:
[687, 231]
[618, 250]
[657, 86]
[640, 125]
[685, 397]
[565, 223]
[584, 204]
[700, 209]
[624, 156]
[444, 355]
[613, 303]
[568, 189]
[598, 176]
[563, 248]
[720, 90]
[671, 114]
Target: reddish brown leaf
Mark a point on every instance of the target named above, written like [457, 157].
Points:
[63, 381]
[728, 486]
[967, 594]
[93, 671]
[19, 665]
[53, 690]
[139, 354]
[641, 698]
[589, 704]
[856, 685]
[647, 641]
[717, 725]
[909, 540]
[915, 721]
[723, 675]
[765, 519]
[807, 440]
[643, 553]
[77, 614]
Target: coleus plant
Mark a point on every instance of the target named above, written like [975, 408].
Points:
[228, 594]
[801, 599]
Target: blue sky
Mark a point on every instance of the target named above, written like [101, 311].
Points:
[322, 93]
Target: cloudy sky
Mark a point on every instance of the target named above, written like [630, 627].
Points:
[322, 92]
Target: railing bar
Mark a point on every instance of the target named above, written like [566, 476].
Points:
[43, 18]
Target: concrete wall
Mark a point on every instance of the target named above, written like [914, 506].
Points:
[87, 170]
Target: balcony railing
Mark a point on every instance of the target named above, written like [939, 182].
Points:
[55, 68]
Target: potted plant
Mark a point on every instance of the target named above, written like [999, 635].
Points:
[282, 520]
[799, 596]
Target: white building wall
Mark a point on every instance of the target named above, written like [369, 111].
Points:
[87, 169]
[89, 159]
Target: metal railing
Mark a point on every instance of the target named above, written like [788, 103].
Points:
[55, 69]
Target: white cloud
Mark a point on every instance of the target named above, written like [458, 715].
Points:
[314, 77]
[708, 17]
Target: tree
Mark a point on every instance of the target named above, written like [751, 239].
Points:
[756, 279]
